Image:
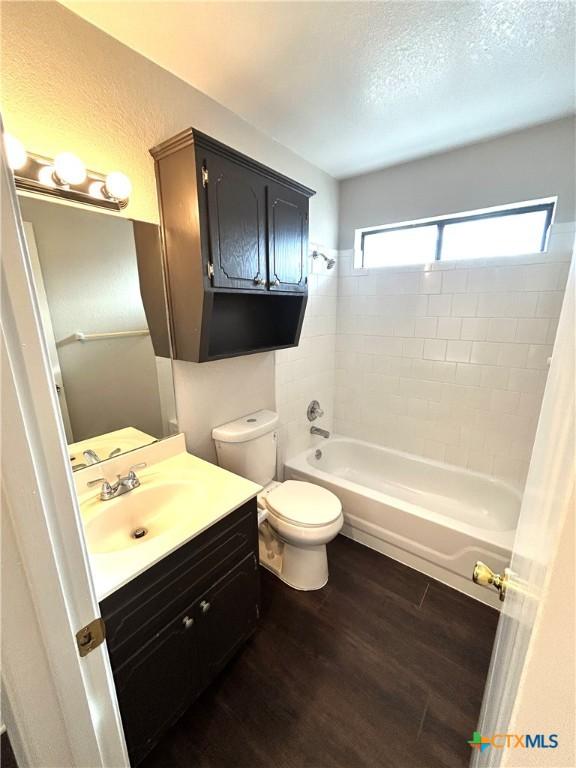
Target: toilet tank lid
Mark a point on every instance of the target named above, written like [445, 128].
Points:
[246, 427]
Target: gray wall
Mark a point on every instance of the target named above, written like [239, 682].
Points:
[537, 162]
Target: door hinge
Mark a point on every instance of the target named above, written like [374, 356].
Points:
[210, 270]
[91, 636]
[204, 176]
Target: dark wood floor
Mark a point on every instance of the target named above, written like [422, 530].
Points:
[7, 759]
[383, 667]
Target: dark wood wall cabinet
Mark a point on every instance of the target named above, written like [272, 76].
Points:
[171, 630]
[235, 236]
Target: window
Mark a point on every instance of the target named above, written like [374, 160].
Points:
[507, 231]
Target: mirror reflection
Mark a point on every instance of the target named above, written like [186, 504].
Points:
[100, 292]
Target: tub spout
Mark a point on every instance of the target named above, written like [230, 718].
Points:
[319, 432]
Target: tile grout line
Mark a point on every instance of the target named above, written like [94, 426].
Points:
[424, 595]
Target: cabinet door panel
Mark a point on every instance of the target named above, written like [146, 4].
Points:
[287, 238]
[228, 614]
[157, 684]
[236, 216]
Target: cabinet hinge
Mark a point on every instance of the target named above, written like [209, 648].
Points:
[91, 636]
[210, 270]
[204, 176]
[255, 559]
[257, 611]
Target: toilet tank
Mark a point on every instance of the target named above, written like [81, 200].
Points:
[247, 446]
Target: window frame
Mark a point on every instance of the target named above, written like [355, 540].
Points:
[443, 221]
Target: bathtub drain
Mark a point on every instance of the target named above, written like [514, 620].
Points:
[138, 533]
[318, 454]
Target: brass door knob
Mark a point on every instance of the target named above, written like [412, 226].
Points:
[485, 577]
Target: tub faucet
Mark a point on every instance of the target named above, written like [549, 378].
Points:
[319, 432]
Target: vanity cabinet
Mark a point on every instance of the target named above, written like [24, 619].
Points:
[171, 630]
[235, 236]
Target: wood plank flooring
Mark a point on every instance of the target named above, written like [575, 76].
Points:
[384, 667]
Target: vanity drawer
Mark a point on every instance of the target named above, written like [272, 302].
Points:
[139, 610]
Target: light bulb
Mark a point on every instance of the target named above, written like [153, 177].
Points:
[69, 168]
[96, 189]
[46, 176]
[118, 186]
[15, 152]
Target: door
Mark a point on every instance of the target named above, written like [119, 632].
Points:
[287, 239]
[228, 614]
[157, 684]
[47, 327]
[546, 503]
[237, 224]
[68, 714]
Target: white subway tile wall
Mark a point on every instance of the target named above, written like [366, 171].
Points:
[447, 360]
[307, 372]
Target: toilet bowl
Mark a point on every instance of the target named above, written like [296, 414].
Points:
[300, 517]
[303, 518]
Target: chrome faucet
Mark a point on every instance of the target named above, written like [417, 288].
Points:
[319, 432]
[121, 486]
[314, 411]
[91, 456]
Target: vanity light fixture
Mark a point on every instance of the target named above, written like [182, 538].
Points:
[66, 176]
[15, 152]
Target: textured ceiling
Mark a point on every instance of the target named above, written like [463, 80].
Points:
[357, 86]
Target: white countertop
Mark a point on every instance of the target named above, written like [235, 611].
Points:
[216, 494]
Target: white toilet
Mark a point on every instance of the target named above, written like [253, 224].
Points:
[299, 518]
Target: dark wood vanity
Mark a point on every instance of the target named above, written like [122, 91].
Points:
[172, 629]
[235, 236]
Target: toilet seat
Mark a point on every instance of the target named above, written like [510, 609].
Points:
[304, 504]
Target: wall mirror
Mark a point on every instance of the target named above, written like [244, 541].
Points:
[100, 291]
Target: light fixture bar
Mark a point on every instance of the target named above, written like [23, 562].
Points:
[40, 175]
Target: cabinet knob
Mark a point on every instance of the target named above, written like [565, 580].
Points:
[187, 621]
[259, 281]
[205, 606]
[276, 282]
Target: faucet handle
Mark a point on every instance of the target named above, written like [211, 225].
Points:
[98, 480]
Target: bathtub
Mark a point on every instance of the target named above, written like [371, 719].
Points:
[431, 516]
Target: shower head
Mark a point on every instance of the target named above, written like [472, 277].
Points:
[329, 262]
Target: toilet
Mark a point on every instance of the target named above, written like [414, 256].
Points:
[297, 519]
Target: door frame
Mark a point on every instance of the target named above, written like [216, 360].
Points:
[75, 697]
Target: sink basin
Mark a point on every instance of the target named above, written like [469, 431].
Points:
[139, 516]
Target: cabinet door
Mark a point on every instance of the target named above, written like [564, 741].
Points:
[287, 239]
[156, 684]
[236, 202]
[228, 614]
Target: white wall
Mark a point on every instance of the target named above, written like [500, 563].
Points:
[534, 163]
[306, 372]
[448, 360]
[110, 112]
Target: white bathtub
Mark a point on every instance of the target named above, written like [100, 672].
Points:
[434, 517]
